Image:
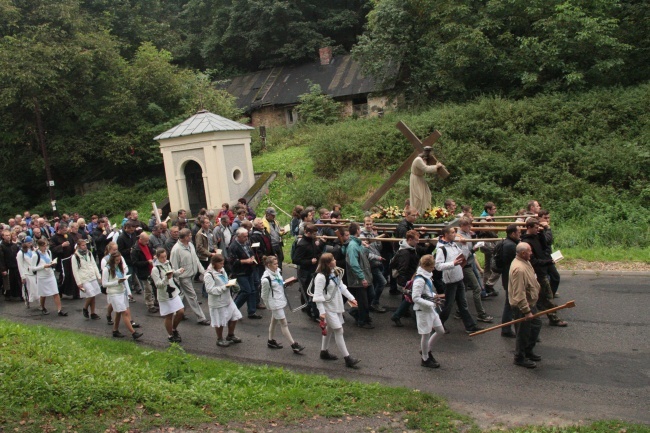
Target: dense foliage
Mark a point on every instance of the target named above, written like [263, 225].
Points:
[317, 107]
[461, 48]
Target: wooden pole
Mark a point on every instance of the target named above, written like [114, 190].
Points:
[569, 304]
[423, 240]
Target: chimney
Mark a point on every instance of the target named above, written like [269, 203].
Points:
[325, 55]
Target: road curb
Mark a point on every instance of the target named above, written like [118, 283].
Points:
[605, 273]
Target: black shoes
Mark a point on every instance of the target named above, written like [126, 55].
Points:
[135, 325]
[272, 344]
[44, 311]
[94, 316]
[136, 335]
[533, 356]
[176, 337]
[397, 322]
[109, 320]
[62, 313]
[474, 328]
[365, 325]
[203, 322]
[509, 334]
[326, 356]
[233, 339]
[85, 313]
[430, 362]
[118, 334]
[297, 348]
[351, 362]
[254, 316]
[523, 362]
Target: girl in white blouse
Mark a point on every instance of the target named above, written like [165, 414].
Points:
[275, 300]
[45, 278]
[424, 305]
[223, 311]
[328, 296]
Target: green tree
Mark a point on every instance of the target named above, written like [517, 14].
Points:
[317, 107]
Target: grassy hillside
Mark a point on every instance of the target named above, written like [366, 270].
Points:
[585, 157]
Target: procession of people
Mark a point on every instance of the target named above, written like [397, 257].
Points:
[339, 262]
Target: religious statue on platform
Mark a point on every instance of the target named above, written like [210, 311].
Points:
[420, 194]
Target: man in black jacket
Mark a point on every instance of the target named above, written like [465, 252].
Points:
[9, 267]
[307, 253]
[100, 236]
[508, 253]
[125, 242]
[541, 259]
[142, 256]
[404, 264]
[243, 262]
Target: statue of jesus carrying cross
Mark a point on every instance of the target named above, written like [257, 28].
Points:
[420, 194]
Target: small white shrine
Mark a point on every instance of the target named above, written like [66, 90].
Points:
[207, 162]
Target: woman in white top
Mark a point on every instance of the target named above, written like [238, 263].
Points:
[328, 296]
[87, 277]
[275, 300]
[111, 248]
[45, 279]
[223, 311]
[27, 277]
[424, 305]
[113, 278]
[169, 300]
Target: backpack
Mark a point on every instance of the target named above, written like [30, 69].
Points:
[496, 262]
[408, 289]
[293, 250]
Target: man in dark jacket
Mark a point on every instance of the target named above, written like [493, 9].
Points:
[405, 263]
[509, 252]
[541, 259]
[125, 242]
[100, 236]
[62, 246]
[12, 283]
[359, 275]
[243, 263]
[307, 253]
[142, 256]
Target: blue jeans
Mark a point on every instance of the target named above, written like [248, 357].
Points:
[248, 293]
[455, 292]
[378, 283]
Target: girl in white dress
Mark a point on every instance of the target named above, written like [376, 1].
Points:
[275, 300]
[113, 279]
[45, 279]
[328, 296]
[169, 300]
[223, 311]
[87, 277]
[111, 248]
[27, 277]
[425, 312]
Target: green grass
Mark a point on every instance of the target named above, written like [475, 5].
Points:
[53, 380]
[67, 380]
[604, 254]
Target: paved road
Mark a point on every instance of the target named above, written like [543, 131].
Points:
[598, 367]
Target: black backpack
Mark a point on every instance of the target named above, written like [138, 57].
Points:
[496, 262]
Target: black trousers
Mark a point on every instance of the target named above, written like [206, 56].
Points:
[361, 296]
[527, 332]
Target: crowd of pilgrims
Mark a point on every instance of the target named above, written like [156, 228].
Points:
[239, 256]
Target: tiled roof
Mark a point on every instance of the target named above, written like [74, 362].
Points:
[201, 122]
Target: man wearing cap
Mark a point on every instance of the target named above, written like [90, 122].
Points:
[420, 194]
[276, 232]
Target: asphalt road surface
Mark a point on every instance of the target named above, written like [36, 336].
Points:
[596, 368]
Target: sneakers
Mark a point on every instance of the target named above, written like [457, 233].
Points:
[223, 343]
[177, 336]
[85, 313]
[296, 347]
[109, 320]
[523, 362]
[397, 322]
[485, 318]
[203, 322]
[233, 339]
[136, 335]
[254, 316]
[94, 316]
[351, 362]
[377, 308]
[430, 362]
[62, 313]
[272, 344]
[44, 311]
[326, 356]
[533, 356]
[118, 334]
[135, 325]
[474, 328]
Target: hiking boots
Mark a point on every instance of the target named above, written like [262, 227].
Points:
[430, 362]
[326, 356]
[272, 344]
[351, 362]
[523, 362]
[533, 356]
[296, 347]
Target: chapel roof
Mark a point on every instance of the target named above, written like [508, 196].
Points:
[202, 122]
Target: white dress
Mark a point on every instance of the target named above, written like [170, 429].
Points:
[45, 278]
[26, 273]
[273, 293]
[86, 274]
[425, 311]
[330, 300]
[222, 307]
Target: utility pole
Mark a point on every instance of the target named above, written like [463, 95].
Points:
[41, 139]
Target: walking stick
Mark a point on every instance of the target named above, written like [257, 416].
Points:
[569, 304]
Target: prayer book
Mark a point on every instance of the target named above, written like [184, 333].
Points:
[557, 256]
[231, 283]
[55, 261]
[255, 245]
[287, 228]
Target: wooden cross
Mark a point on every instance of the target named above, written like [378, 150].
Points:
[406, 165]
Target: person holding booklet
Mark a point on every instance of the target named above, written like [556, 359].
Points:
[223, 311]
[28, 278]
[275, 300]
[169, 300]
[114, 280]
[42, 266]
[87, 277]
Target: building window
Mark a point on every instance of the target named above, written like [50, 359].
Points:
[360, 106]
[291, 115]
[237, 175]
